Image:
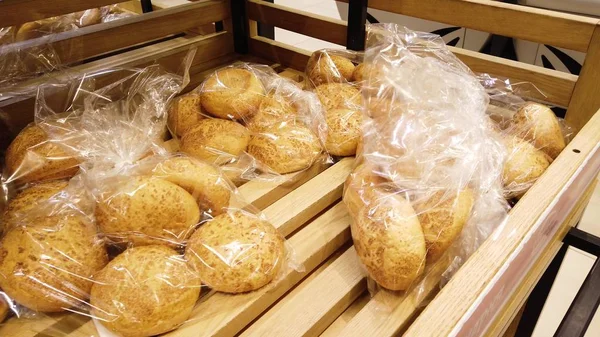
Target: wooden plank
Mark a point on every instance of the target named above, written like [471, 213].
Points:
[87, 42]
[279, 52]
[533, 24]
[15, 12]
[315, 304]
[335, 329]
[475, 294]
[306, 23]
[557, 86]
[586, 101]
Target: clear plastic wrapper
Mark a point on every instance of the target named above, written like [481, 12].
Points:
[252, 122]
[427, 188]
[170, 224]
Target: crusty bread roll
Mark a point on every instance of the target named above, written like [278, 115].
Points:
[232, 93]
[216, 141]
[31, 30]
[523, 165]
[4, 309]
[88, 17]
[203, 181]
[343, 131]
[389, 241]
[285, 148]
[236, 252]
[48, 265]
[31, 157]
[323, 67]
[184, 113]
[339, 96]
[363, 187]
[28, 199]
[537, 123]
[147, 210]
[273, 109]
[442, 218]
[359, 73]
[145, 291]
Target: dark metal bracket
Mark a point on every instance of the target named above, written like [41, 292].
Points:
[146, 6]
[357, 18]
[239, 23]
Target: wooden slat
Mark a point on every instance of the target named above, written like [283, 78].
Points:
[586, 101]
[306, 23]
[315, 304]
[475, 294]
[86, 42]
[335, 329]
[522, 22]
[14, 12]
[557, 86]
[279, 52]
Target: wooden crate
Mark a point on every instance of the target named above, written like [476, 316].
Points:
[330, 297]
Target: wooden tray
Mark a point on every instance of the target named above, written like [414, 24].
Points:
[330, 297]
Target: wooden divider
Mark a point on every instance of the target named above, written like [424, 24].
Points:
[14, 12]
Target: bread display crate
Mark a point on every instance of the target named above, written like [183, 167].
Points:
[330, 297]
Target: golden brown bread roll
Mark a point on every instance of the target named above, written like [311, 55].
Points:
[145, 291]
[523, 165]
[326, 68]
[184, 113]
[538, 124]
[88, 17]
[343, 131]
[147, 210]
[28, 199]
[339, 96]
[48, 265]
[389, 241]
[273, 109]
[215, 140]
[203, 181]
[31, 157]
[4, 309]
[31, 30]
[442, 218]
[232, 93]
[236, 252]
[285, 148]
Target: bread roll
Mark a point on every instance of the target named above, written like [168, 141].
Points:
[4, 309]
[31, 30]
[232, 93]
[363, 187]
[203, 181]
[339, 96]
[389, 242]
[145, 291]
[343, 131]
[147, 210]
[326, 68]
[88, 17]
[216, 141]
[359, 73]
[285, 148]
[31, 157]
[538, 124]
[523, 165]
[48, 265]
[273, 109]
[28, 199]
[236, 252]
[184, 113]
[442, 218]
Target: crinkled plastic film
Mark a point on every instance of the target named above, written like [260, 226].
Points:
[427, 189]
[136, 227]
[252, 122]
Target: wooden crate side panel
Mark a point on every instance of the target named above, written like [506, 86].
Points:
[476, 293]
[15, 12]
[317, 26]
[538, 25]
[278, 52]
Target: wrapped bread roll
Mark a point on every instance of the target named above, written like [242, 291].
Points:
[185, 112]
[216, 141]
[236, 252]
[339, 95]
[343, 131]
[145, 291]
[323, 67]
[538, 124]
[523, 165]
[273, 109]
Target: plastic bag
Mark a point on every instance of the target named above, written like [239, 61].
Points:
[531, 132]
[170, 224]
[427, 190]
[250, 121]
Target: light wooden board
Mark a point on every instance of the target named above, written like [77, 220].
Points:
[522, 22]
[340, 323]
[14, 12]
[279, 52]
[586, 101]
[474, 295]
[306, 23]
